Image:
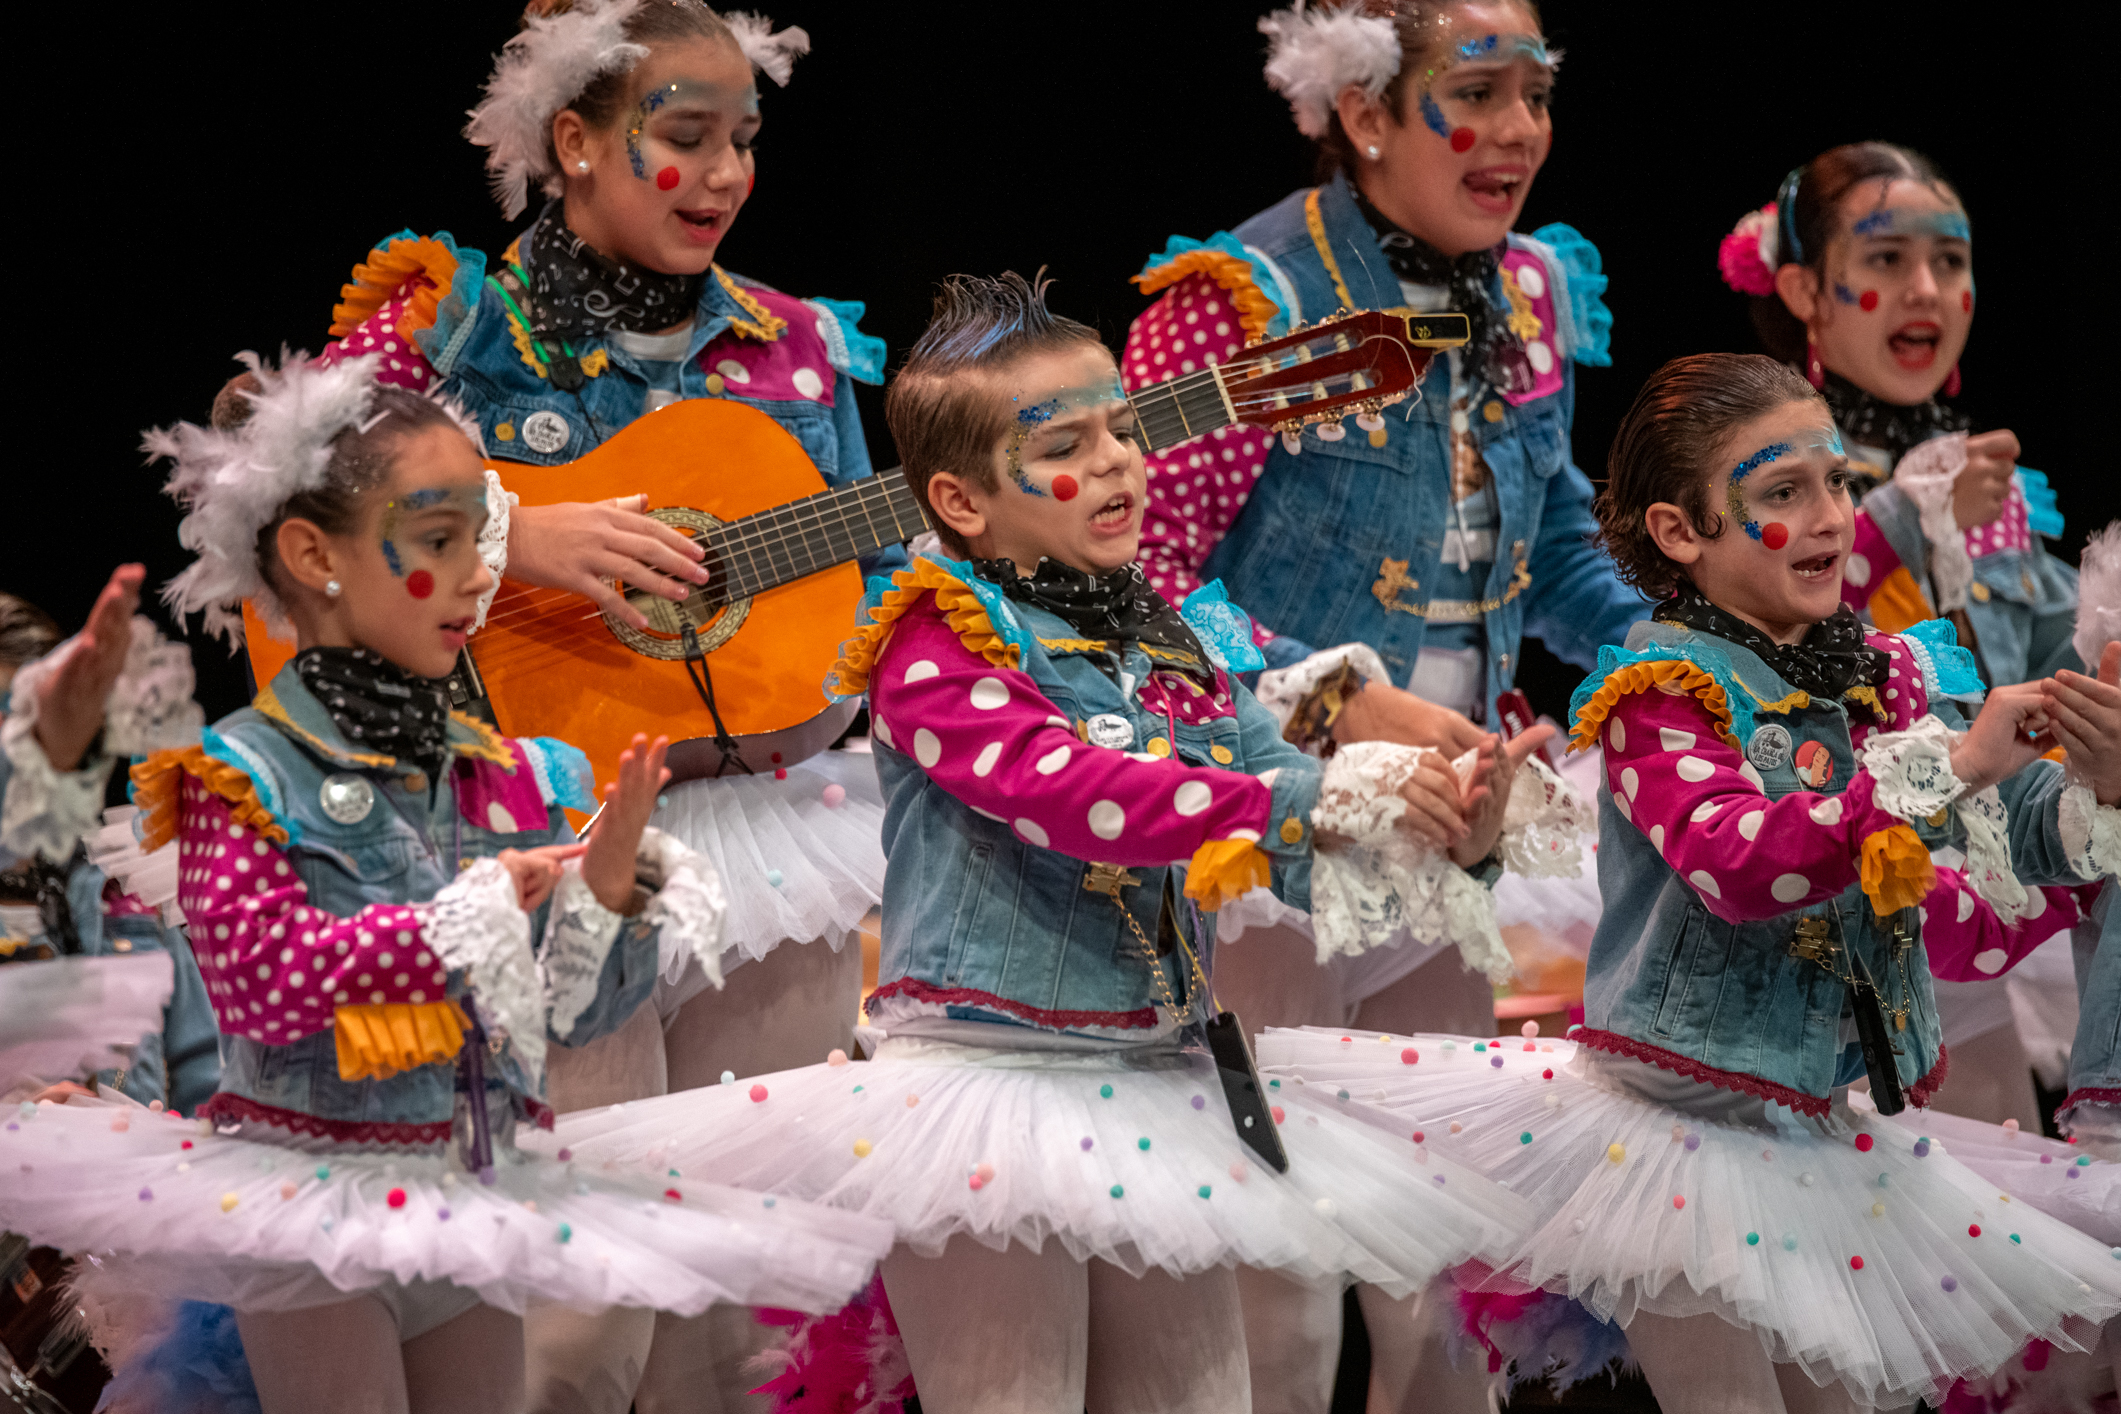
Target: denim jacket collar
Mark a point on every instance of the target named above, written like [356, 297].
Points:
[290, 706]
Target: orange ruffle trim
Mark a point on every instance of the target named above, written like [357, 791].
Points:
[1641, 677]
[962, 609]
[157, 784]
[378, 279]
[1254, 310]
[1223, 871]
[1898, 604]
[377, 1042]
[1897, 871]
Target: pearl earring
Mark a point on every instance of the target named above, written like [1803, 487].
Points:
[1372, 150]
[331, 589]
[581, 166]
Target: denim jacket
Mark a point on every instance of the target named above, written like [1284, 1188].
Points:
[1338, 540]
[359, 829]
[999, 927]
[2095, 1058]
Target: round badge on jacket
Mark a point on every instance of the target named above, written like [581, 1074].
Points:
[1770, 746]
[346, 798]
[545, 431]
[1111, 729]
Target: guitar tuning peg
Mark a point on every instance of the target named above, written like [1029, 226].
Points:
[1331, 430]
[1292, 442]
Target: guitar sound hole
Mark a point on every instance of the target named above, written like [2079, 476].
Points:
[712, 617]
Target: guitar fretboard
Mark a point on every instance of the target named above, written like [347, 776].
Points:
[802, 537]
[1169, 413]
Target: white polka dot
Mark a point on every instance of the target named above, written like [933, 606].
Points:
[1745, 769]
[1857, 571]
[1616, 736]
[1674, 740]
[1966, 904]
[1053, 760]
[1788, 888]
[735, 372]
[1702, 880]
[1827, 812]
[2035, 903]
[1192, 798]
[983, 763]
[499, 820]
[922, 671]
[989, 693]
[1031, 832]
[1693, 768]
[1704, 810]
[1620, 803]
[926, 749]
[1657, 838]
[1531, 281]
[1107, 819]
[1991, 961]
[1630, 782]
[1749, 824]
[807, 382]
[1540, 356]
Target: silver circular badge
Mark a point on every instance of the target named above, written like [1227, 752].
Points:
[1770, 746]
[1111, 729]
[545, 431]
[347, 798]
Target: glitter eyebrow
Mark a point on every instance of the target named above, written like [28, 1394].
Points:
[1759, 459]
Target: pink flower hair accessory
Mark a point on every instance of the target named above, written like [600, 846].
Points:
[1750, 253]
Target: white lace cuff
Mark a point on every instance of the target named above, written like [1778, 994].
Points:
[150, 707]
[1925, 475]
[1912, 770]
[1281, 690]
[579, 932]
[689, 905]
[1375, 879]
[2091, 833]
[474, 924]
[46, 810]
[1546, 822]
[493, 540]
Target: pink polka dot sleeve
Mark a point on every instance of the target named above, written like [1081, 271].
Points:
[1197, 488]
[1871, 560]
[989, 737]
[1967, 942]
[274, 966]
[402, 363]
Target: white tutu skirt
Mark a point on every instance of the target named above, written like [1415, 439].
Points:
[1133, 1159]
[185, 1212]
[794, 867]
[1893, 1269]
[2059, 1179]
[65, 1015]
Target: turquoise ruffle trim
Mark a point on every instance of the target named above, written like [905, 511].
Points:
[1587, 284]
[1262, 274]
[566, 771]
[453, 312]
[1958, 675]
[261, 777]
[1700, 652]
[1223, 629]
[2042, 510]
[860, 356]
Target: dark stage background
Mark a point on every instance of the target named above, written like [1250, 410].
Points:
[232, 162]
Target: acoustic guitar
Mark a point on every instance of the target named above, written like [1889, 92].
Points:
[734, 673]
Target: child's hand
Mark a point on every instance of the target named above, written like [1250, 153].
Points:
[1381, 712]
[537, 871]
[1438, 805]
[608, 867]
[2008, 735]
[1979, 492]
[70, 711]
[1488, 799]
[2085, 717]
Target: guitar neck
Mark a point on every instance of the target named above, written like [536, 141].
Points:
[815, 533]
[1184, 408]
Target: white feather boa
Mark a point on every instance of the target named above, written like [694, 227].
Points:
[2099, 595]
[541, 70]
[1319, 51]
[772, 54]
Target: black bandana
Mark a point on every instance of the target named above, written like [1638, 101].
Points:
[1119, 605]
[574, 290]
[1832, 658]
[1494, 353]
[1889, 426]
[379, 705]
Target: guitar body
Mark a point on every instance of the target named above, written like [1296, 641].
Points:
[552, 665]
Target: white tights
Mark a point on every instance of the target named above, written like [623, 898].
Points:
[787, 1009]
[345, 1358]
[1022, 1332]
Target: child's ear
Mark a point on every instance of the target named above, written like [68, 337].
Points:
[951, 498]
[1798, 285]
[1674, 532]
[306, 553]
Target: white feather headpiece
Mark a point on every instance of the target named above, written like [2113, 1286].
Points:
[540, 71]
[772, 54]
[2099, 595]
[1317, 52]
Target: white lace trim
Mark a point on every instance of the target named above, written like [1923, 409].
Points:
[1281, 690]
[1376, 878]
[1912, 771]
[46, 810]
[1545, 825]
[689, 906]
[579, 932]
[493, 540]
[474, 924]
[1988, 854]
[1926, 475]
[151, 878]
[150, 706]
[2091, 833]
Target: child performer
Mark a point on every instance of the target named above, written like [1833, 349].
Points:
[2091, 1113]
[364, 872]
[1861, 273]
[1041, 1123]
[1698, 1175]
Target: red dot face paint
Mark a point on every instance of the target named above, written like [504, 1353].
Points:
[1065, 487]
[1774, 535]
[1462, 139]
[419, 584]
[1868, 300]
[667, 179]
[1966, 301]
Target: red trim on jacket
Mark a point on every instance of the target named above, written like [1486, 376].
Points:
[2089, 1095]
[241, 1109]
[1052, 1020]
[1816, 1106]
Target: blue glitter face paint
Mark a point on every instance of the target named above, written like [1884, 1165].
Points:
[708, 98]
[1433, 116]
[1734, 495]
[1843, 293]
[1450, 116]
[1032, 419]
[408, 547]
[1914, 221]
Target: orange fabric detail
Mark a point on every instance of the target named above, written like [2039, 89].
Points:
[427, 265]
[157, 784]
[1640, 677]
[1254, 310]
[1898, 604]
[1896, 870]
[962, 609]
[1225, 870]
[377, 1042]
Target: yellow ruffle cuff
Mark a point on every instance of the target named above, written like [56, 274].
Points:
[1222, 871]
[962, 609]
[1233, 274]
[1897, 871]
[378, 279]
[157, 789]
[1898, 603]
[1641, 677]
[377, 1042]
